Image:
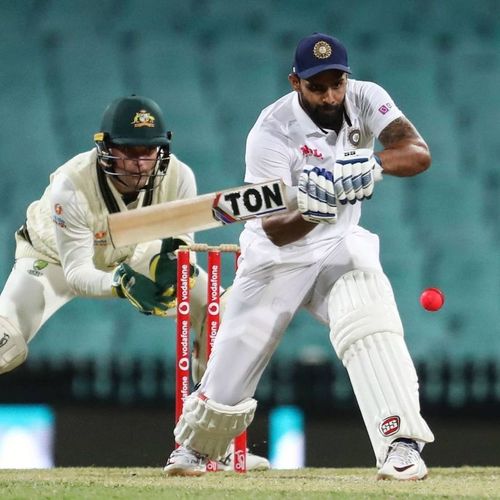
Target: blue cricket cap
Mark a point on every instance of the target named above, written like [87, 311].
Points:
[319, 52]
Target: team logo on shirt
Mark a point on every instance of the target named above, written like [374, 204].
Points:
[322, 50]
[354, 136]
[58, 209]
[307, 151]
[143, 119]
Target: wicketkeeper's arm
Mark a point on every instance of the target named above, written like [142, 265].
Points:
[75, 241]
[163, 269]
[144, 294]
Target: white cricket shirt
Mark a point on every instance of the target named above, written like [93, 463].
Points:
[68, 225]
[284, 141]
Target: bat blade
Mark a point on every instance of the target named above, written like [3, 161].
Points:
[202, 212]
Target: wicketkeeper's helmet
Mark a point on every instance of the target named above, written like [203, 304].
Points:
[133, 121]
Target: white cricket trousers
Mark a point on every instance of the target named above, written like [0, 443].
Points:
[261, 304]
[32, 294]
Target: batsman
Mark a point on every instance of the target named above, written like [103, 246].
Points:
[63, 250]
[320, 138]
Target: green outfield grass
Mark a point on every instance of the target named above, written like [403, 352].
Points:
[145, 483]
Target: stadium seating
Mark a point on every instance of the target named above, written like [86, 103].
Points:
[213, 65]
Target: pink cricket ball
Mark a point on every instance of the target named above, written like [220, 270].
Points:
[432, 299]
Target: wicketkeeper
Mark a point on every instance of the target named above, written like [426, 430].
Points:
[63, 249]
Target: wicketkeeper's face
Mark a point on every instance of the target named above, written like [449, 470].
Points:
[133, 166]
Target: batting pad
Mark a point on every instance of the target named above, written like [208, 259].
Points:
[208, 427]
[367, 334]
[13, 348]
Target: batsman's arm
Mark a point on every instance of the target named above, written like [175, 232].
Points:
[286, 228]
[405, 152]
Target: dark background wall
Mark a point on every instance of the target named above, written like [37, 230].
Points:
[117, 437]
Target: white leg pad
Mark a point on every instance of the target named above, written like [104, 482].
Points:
[208, 427]
[367, 334]
[13, 347]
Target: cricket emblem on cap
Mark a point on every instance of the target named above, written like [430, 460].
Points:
[322, 50]
[143, 119]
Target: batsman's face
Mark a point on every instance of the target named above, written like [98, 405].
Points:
[322, 96]
[133, 166]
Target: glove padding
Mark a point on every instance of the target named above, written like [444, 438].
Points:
[163, 270]
[316, 198]
[141, 292]
[354, 177]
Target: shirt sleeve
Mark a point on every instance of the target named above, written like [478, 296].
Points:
[267, 157]
[75, 241]
[377, 108]
[186, 187]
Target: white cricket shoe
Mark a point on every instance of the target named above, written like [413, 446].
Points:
[403, 462]
[185, 462]
[253, 462]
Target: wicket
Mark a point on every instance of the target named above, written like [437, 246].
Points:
[183, 326]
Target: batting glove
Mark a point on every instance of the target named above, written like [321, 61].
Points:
[141, 292]
[355, 176]
[163, 269]
[316, 198]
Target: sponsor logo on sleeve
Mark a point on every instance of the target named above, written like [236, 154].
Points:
[100, 238]
[57, 216]
[385, 108]
[38, 266]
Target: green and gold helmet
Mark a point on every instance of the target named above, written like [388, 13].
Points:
[133, 121]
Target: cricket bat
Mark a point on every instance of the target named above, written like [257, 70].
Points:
[202, 212]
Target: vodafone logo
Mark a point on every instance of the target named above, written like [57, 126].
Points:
[213, 308]
[240, 460]
[184, 364]
[183, 307]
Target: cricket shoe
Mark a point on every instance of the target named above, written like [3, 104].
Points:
[253, 462]
[185, 462]
[403, 462]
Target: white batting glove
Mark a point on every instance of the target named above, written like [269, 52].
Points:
[355, 176]
[316, 196]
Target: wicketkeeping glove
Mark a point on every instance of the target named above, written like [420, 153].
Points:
[354, 177]
[141, 292]
[316, 198]
[163, 270]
